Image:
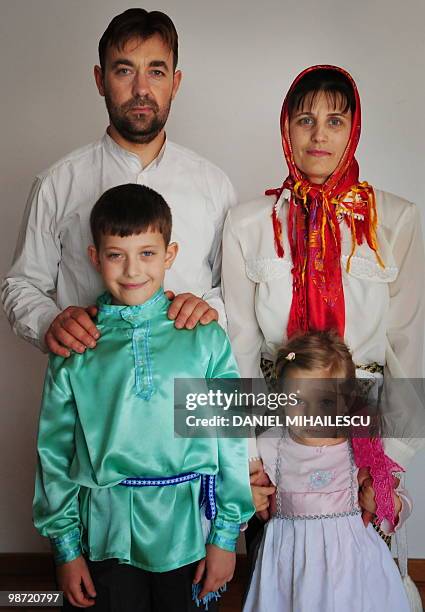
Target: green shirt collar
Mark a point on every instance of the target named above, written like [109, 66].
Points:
[132, 314]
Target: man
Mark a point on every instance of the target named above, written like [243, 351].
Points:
[50, 288]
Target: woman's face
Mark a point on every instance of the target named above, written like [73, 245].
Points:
[319, 135]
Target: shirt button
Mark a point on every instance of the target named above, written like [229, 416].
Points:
[140, 179]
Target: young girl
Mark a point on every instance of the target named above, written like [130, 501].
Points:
[316, 554]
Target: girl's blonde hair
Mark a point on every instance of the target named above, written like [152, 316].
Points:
[316, 350]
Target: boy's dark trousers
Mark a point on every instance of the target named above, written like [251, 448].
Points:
[124, 588]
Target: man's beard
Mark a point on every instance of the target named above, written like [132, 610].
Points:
[142, 128]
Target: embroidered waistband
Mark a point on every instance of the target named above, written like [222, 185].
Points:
[312, 517]
[159, 482]
[372, 368]
[207, 495]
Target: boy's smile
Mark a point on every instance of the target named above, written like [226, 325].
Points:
[133, 267]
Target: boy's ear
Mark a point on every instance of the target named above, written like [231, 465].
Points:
[94, 256]
[171, 254]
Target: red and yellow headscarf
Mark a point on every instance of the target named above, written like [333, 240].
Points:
[313, 227]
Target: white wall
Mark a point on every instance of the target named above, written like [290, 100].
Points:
[238, 60]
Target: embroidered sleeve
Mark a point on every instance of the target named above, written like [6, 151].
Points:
[66, 547]
[224, 534]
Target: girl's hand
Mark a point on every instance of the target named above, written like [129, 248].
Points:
[75, 581]
[261, 493]
[219, 565]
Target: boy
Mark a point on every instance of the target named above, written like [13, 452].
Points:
[106, 432]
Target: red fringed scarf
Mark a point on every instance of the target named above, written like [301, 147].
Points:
[314, 232]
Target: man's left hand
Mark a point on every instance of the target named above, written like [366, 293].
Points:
[188, 310]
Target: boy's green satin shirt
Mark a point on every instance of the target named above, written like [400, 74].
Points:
[107, 415]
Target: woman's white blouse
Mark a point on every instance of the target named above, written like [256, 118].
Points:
[384, 308]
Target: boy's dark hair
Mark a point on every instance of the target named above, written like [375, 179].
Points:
[138, 23]
[336, 86]
[130, 209]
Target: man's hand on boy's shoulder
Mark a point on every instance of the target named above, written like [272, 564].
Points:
[216, 569]
[188, 310]
[76, 583]
[73, 329]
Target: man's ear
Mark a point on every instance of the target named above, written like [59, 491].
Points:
[171, 254]
[98, 77]
[94, 257]
[177, 77]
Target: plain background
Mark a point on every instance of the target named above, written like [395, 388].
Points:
[238, 60]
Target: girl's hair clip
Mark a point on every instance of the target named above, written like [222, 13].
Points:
[290, 357]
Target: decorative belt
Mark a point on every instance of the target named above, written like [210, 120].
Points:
[373, 368]
[207, 495]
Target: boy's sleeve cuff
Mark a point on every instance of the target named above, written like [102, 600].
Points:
[66, 547]
[224, 534]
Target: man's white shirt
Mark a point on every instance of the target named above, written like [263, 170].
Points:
[51, 269]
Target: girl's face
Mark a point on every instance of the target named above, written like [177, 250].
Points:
[318, 395]
[319, 134]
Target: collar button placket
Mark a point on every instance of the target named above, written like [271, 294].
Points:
[143, 381]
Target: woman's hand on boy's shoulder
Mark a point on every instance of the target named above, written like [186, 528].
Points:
[188, 310]
[219, 567]
[73, 329]
[76, 583]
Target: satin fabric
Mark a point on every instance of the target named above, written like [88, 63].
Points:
[97, 428]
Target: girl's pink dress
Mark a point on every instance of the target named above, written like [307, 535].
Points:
[316, 554]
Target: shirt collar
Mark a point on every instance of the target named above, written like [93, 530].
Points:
[124, 154]
[135, 315]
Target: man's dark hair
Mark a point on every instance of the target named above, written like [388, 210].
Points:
[130, 209]
[336, 86]
[138, 23]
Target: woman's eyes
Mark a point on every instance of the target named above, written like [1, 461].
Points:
[310, 121]
[335, 121]
[306, 121]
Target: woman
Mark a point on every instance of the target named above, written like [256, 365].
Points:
[326, 251]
